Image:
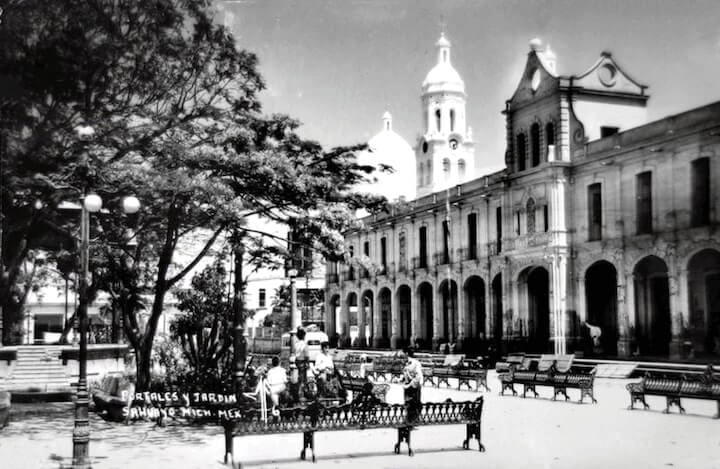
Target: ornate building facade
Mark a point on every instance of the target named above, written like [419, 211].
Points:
[599, 219]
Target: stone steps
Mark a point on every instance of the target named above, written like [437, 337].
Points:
[37, 367]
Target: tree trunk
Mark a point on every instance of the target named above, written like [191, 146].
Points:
[143, 355]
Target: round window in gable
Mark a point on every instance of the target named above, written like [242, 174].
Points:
[535, 80]
[607, 74]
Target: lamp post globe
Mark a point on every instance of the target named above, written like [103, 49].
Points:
[92, 203]
[131, 204]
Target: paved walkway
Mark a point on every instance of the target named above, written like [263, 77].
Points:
[518, 433]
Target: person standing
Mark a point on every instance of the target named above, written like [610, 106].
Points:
[412, 384]
[302, 359]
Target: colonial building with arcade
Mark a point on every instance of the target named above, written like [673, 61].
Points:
[600, 221]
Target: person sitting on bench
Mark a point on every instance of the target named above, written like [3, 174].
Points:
[323, 368]
[276, 381]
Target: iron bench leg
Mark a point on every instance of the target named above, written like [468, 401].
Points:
[308, 443]
[670, 400]
[473, 431]
[717, 416]
[529, 387]
[589, 392]
[229, 448]
[560, 390]
[404, 435]
[509, 387]
[483, 381]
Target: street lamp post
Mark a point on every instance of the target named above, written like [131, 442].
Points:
[81, 432]
[91, 203]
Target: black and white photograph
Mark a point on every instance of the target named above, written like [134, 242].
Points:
[284, 234]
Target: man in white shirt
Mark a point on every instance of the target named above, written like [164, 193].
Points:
[276, 380]
[324, 367]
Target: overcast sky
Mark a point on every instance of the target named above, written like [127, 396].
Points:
[338, 65]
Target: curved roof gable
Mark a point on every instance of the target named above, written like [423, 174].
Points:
[537, 81]
[607, 76]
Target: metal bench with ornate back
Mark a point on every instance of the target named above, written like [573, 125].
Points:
[384, 365]
[675, 387]
[554, 371]
[439, 369]
[365, 412]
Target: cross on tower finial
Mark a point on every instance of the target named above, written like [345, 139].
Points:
[443, 25]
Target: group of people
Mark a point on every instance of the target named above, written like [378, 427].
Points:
[279, 386]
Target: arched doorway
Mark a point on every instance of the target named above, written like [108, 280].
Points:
[348, 337]
[652, 307]
[497, 311]
[425, 302]
[383, 340]
[704, 299]
[601, 304]
[404, 316]
[536, 283]
[337, 323]
[366, 332]
[449, 316]
[474, 291]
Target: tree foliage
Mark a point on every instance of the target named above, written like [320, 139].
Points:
[174, 105]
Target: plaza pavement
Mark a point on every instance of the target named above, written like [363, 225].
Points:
[517, 433]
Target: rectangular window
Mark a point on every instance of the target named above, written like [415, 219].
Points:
[498, 228]
[383, 252]
[546, 217]
[700, 187]
[608, 131]
[261, 298]
[366, 248]
[423, 246]
[643, 191]
[517, 223]
[472, 236]
[594, 201]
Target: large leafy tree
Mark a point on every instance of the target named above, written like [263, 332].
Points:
[177, 123]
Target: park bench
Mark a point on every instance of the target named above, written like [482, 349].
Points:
[676, 387]
[108, 397]
[387, 365]
[439, 369]
[364, 412]
[554, 371]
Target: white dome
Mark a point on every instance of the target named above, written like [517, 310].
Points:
[388, 148]
[443, 76]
